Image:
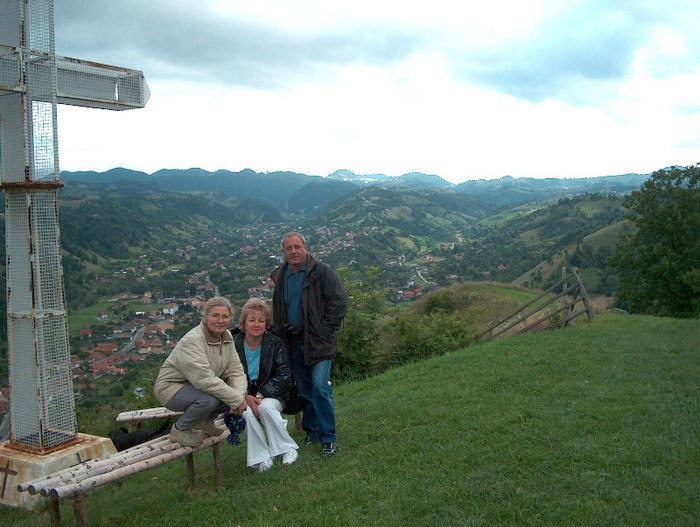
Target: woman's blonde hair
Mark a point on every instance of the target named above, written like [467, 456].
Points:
[255, 304]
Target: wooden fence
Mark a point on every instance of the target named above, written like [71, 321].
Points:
[547, 311]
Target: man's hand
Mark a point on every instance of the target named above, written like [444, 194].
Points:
[240, 409]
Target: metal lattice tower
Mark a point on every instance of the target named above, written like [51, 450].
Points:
[32, 81]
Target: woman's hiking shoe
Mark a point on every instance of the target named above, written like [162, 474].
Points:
[185, 437]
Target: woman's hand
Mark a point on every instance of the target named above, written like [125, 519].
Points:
[253, 403]
[240, 409]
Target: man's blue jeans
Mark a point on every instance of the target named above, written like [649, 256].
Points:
[314, 386]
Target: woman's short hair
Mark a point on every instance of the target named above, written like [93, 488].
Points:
[215, 302]
[255, 304]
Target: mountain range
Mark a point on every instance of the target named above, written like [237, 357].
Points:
[291, 192]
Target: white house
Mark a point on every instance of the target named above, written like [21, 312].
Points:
[170, 309]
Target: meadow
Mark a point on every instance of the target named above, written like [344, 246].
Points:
[593, 425]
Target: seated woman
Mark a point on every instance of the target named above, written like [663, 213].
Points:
[266, 363]
[203, 376]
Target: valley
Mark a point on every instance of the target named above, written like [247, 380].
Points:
[139, 263]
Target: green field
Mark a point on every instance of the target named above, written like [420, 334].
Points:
[596, 425]
[90, 316]
[607, 236]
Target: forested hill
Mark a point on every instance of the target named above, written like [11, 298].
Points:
[416, 212]
[116, 225]
[508, 190]
[111, 219]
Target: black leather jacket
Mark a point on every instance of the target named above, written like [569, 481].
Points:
[275, 373]
[323, 305]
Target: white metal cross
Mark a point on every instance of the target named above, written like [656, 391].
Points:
[33, 80]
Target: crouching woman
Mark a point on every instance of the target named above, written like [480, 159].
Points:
[203, 376]
[266, 363]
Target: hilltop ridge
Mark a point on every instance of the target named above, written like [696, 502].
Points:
[284, 189]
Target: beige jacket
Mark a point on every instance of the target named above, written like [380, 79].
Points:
[210, 365]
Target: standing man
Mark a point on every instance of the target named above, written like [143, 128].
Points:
[308, 306]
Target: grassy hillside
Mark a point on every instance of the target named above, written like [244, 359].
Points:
[596, 425]
[420, 212]
[587, 249]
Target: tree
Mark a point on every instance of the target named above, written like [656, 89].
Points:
[359, 334]
[657, 265]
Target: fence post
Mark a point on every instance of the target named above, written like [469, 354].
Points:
[584, 294]
[567, 302]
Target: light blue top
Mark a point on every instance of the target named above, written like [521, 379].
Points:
[252, 357]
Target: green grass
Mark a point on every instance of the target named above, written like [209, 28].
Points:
[596, 425]
[607, 236]
[507, 291]
[86, 317]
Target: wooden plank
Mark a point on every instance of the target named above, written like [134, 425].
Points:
[521, 308]
[566, 296]
[86, 483]
[95, 467]
[546, 304]
[584, 294]
[146, 414]
[78, 480]
[572, 316]
[549, 316]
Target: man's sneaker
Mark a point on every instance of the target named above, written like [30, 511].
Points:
[209, 428]
[328, 448]
[290, 457]
[310, 440]
[265, 465]
[185, 437]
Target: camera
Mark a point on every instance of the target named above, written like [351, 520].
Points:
[290, 331]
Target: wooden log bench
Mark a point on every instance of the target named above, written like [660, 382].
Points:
[75, 482]
[135, 417]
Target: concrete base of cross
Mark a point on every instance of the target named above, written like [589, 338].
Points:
[18, 466]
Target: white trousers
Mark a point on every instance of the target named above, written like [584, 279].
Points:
[278, 440]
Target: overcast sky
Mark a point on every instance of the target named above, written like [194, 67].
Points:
[460, 89]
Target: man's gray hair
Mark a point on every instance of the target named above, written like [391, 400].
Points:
[294, 233]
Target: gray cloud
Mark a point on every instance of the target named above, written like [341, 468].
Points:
[578, 53]
[581, 53]
[170, 42]
[592, 43]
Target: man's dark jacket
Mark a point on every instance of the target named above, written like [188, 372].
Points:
[323, 305]
[275, 371]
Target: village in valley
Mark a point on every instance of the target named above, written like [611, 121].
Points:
[143, 325]
[126, 314]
